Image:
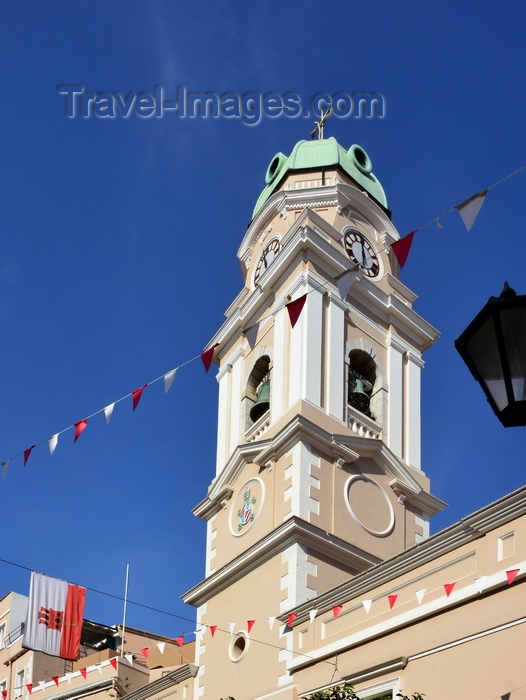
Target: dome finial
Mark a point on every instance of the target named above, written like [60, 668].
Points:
[319, 125]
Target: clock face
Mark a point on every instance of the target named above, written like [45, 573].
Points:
[267, 258]
[361, 251]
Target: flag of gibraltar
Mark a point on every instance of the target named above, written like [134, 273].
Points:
[54, 617]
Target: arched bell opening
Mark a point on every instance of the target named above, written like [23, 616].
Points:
[361, 378]
[257, 394]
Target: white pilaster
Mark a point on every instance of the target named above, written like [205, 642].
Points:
[223, 379]
[236, 376]
[296, 359]
[414, 365]
[312, 344]
[395, 369]
[277, 403]
[335, 373]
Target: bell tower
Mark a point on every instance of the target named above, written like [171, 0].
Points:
[318, 473]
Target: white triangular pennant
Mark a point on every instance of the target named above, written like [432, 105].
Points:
[161, 646]
[480, 582]
[231, 627]
[129, 658]
[169, 380]
[41, 685]
[5, 465]
[108, 412]
[346, 281]
[469, 209]
[367, 605]
[68, 677]
[251, 335]
[420, 595]
[271, 621]
[53, 442]
[99, 668]
[198, 631]
[312, 614]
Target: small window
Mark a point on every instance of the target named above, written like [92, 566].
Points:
[19, 684]
[2, 638]
[238, 647]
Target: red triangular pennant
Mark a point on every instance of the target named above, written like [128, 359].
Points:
[4, 694]
[448, 587]
[250, 624]
[213, 629]
[294, 308]
[144, 652]
[80, 427]
[29, 688]
[511, 574]
[55, 678]
[27, 453]
[291, 618]
[136, 396]
[207, 356]
[113, 662]
[83, 672]
[336, 610]
[402, 247]
[180, 640]
[392, 600]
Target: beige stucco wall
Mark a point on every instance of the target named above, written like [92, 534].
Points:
[469, 644]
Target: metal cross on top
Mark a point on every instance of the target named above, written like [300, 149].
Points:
[319, 125]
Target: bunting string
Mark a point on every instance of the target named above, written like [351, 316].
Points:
[435, 219]
[80, 426]
[390, 602]
[468, 210]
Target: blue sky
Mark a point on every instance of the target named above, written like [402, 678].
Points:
[118, 242]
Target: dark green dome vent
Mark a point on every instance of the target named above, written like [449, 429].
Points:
[325, 153]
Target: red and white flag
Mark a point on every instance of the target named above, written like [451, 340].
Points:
[54, 617]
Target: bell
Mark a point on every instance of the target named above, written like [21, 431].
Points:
[262, 404]
[357, 396]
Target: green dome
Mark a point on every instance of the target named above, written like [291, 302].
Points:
[312, 155]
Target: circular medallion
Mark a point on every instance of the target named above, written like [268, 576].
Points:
[369, 505]
[246, 506]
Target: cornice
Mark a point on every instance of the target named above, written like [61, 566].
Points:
[167, 680]
[364, 205]
[310, 235]
[220, 489]
[418, 613]
[302, 429]
[292, 531]
[463, 532]
[407, 295]
[426, 502]
[88, 689]
[208, 507]
[346, 448]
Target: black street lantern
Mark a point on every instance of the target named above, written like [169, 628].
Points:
[494, 348]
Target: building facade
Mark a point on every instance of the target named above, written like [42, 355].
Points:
[111, 663]
[319, 565]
